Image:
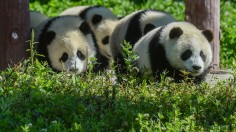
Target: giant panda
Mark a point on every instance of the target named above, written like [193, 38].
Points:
[173, 48]
[68, 44]
[102, 22]
[36, 18]
[131, 28]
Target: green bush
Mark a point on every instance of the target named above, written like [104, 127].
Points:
[34, 98]
[228, 31]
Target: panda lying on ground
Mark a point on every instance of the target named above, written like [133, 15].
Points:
[131, 28]
[102, 22]
[175, 47]
[68, 44]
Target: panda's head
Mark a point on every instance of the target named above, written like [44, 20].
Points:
[188, 48]
[70, 49]
[102, 22]
[103, 32]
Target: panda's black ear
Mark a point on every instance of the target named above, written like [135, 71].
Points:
[148, 27]
[208, 34]
[96, 19]
[48, 37]
[85, 28]
[175, 32]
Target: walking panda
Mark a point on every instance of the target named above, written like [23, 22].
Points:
[36, 18]
[102, 22]
[131, 28]
[175, 47]
[68, 44]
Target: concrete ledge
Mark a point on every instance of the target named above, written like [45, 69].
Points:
[214, 77]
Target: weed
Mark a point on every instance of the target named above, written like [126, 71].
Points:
[34, 98]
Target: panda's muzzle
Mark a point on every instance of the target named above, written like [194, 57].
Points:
[73, 70]
[74, 64]
[196, 68]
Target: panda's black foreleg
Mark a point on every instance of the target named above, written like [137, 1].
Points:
[102, 63]
[201, 78]
[120, 66]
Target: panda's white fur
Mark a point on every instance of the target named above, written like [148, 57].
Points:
[132, 27]
[158, 47]
[102, 22]
[74, 10]
[103, 33]
[61, 35]
[36, 18]
[157, 18]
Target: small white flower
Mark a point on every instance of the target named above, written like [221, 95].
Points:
[44, 130]
[10, 92]
[54, 122]
[30, 124]
[146, 115]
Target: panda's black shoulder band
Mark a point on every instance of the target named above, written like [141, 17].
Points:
[46, 27]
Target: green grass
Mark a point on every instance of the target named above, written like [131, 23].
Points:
[33, 98]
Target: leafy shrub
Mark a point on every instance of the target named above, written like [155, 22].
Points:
[228, 30]
[34, 98]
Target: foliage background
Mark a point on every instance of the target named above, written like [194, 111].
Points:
[33, 98]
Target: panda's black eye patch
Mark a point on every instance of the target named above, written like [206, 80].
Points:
[64, 57]
[80, 55]
[105, 40]
[186, 55]
[203, 56]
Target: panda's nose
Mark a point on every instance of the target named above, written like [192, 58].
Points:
[196, 67]
[73, 70]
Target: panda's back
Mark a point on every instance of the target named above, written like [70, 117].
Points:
[74, 10]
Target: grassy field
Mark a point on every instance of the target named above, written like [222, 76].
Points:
[33, 98]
